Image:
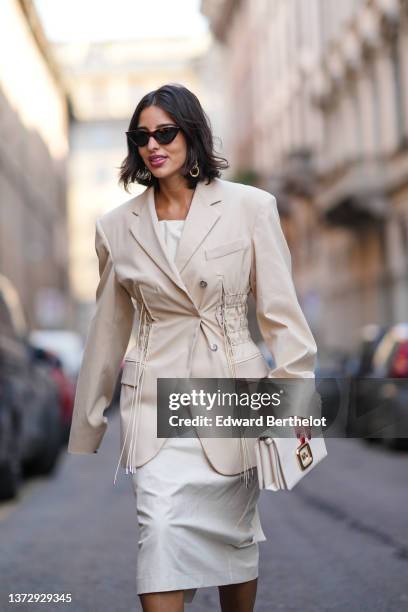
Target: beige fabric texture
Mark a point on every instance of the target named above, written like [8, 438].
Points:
[192, 314]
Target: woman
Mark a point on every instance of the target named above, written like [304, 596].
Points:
[185, 254]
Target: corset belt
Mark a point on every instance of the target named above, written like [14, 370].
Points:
[143, 344]
[247, 472]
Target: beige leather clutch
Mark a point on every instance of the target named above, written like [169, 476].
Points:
[283, 462]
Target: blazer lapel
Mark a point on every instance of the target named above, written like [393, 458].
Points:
[200, 220]
[144, 226]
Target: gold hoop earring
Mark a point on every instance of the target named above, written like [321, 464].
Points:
[195, 170]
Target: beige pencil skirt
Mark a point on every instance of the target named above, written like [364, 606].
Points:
[197, 528]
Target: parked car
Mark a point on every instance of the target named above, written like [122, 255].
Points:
[390, 362]
[66, 387]
[66, 344]
[381, 397]
[357, 368]
[41, 423]
[29, 412]
[12, 358]
[361, 363]
[10, 459]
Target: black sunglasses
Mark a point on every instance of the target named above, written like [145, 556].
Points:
[163, 135]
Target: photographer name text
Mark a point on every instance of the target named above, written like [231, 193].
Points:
[259, 421]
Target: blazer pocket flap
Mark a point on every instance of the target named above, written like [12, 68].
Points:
[226, 248]
[129, 373]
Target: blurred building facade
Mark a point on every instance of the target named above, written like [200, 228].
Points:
[34, 116]
[317, 95]
[105, 82]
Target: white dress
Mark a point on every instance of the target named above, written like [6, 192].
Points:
[197, 528]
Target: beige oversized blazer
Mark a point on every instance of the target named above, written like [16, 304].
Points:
[192, 314]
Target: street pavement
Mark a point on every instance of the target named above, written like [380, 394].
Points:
[337, 542]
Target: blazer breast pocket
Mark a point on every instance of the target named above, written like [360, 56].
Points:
[227, 248]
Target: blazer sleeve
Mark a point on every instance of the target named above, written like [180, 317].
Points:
[106, 343]
[281, 321]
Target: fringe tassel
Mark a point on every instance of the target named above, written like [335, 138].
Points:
[247, 472]
[137, 384]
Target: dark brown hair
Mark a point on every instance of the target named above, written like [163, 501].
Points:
[186, 111]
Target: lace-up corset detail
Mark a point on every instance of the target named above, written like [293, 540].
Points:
[232, 316]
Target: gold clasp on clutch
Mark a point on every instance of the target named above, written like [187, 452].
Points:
[304, 455]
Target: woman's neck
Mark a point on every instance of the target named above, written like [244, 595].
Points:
[173, 200]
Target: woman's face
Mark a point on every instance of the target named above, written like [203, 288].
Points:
[173, 154]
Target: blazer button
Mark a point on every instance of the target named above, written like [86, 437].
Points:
[203, 283]
[213, 347]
